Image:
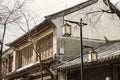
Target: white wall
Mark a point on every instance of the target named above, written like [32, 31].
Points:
[107, 25]
[58, 24]
[57, 33]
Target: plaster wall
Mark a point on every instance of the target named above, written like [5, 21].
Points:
[71, 48]
[100, 23]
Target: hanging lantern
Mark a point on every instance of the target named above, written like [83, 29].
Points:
[92, 56]
[66, 29]
[108, 78]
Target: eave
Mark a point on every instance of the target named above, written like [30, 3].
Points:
[35, 31]
[29, 70]
[88, 65]
[108, 53]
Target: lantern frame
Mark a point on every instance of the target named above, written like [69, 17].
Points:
[92, 56]
[66, 30]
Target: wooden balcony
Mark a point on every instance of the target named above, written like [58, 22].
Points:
[44, 48]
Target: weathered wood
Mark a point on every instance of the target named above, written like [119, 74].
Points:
[45, 46]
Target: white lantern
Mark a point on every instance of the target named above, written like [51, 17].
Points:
[92, 56]
[108, 78]
[66, 29]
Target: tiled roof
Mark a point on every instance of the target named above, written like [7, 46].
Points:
[107, 53]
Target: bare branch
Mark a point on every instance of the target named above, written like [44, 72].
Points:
[112, 7]
[107, 11]
[98, 19]
[7, 16]
[21, 27]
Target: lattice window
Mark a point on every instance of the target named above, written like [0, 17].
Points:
[10, 63]
[25, 56]
[45, 46]
[5, 66]
[19, 57]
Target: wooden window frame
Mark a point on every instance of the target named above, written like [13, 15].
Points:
[45, 47]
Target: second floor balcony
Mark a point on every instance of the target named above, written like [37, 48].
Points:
[30, 54]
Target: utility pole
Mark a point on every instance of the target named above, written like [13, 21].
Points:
[80, 24]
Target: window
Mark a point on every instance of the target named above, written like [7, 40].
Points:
[7, 64]
[4, 68]
[19, 57]
[25, 56]
[45, 46]
[10, 63]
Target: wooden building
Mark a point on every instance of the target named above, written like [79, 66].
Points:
[35, 53]
[30, 54]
